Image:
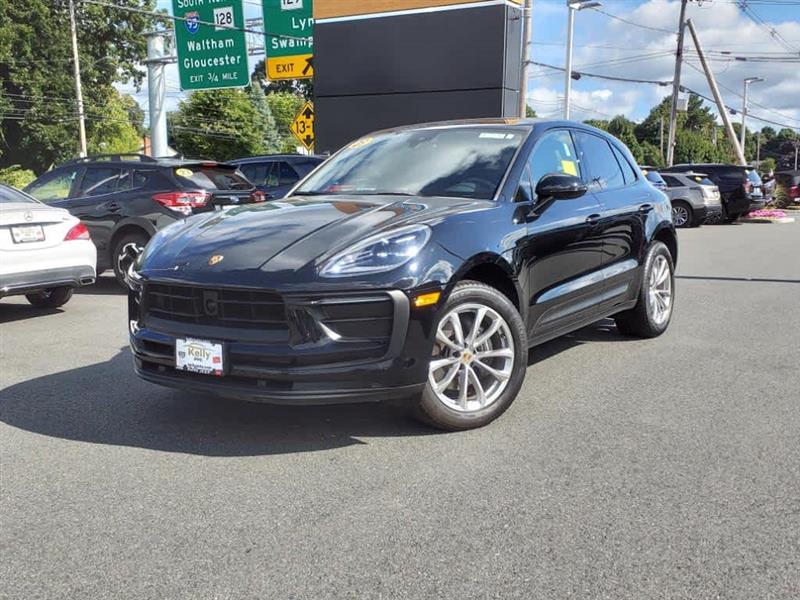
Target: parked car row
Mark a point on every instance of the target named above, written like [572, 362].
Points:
[708, 192]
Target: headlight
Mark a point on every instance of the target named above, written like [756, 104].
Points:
[378, 253]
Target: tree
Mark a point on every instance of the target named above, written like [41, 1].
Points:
[112, 130]
[38, 125]
[299, 87]
[529, 112]
[220, 125]
[285, 106]
[272, 140]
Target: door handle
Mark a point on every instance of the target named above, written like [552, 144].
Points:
[112, 206]
[593, 220]
[645, 208]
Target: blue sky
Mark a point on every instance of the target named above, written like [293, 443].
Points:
[608, 46]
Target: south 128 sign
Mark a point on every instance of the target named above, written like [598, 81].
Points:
[211, 55]
[289, 32]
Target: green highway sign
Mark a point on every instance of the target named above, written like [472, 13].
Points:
[210, 56]
[289, 38]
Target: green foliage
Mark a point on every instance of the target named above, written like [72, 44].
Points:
[298, 87]
[599, 123]
[285, 106]
[16, 176]
[38, 125]
[113, 131]
[780, 199]
[529, 112]
[271, 141]
[222, 125]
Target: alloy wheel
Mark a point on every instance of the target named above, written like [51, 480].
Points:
[659, 293]
[680, 216]
[473, 358]
[123, 259]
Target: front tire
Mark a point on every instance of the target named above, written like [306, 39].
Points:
[50, 298]
[120, 258]
[653, 311]
[479, 359]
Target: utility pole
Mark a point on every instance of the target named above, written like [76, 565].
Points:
[712, 83]
[527, 15]
[661, 137]
[156, 92]
[77, 70]
[758, 150]
[676, 87]
[747, 83]
[796, 151]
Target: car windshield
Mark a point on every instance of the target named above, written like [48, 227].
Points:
[465, 162]
[655, 177]
[10, 195]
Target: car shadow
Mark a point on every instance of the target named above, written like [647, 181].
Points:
[104, 286]
[106, 403]
[19, 312]
[602, 331]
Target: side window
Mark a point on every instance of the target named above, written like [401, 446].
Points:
[99, 180]
[596, 154]
[627, 170]
[554, 153]
[54, 187]
[286, 174]
[130, 180]
[672, 181]
[271, 174]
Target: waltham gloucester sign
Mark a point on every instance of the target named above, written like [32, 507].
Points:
[210, 53]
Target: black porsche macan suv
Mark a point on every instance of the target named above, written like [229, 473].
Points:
[417, 263]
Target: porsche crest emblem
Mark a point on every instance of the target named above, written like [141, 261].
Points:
[215, 260]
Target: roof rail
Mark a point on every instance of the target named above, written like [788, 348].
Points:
[117, 157]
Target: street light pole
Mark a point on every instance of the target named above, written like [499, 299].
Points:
[526, 9]
[747, 83]
[573, 6]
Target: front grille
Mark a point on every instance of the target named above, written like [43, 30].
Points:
[223, 307]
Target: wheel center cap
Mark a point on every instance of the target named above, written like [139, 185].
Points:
[466, 357]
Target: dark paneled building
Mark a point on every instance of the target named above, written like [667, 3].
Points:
[384, 63]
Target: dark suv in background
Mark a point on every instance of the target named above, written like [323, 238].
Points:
[740, 187]
[276, 174]
[124, 199]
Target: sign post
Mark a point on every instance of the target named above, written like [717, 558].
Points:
[303, 126]
[289, 33]
[211, 56]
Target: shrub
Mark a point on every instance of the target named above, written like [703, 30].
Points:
[15, 176]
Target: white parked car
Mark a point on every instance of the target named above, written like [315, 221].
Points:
[45, 252]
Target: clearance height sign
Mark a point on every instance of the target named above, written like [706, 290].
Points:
[211, 55]
[289, 31]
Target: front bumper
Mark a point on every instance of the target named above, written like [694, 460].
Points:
[351, 359]
[12, 284]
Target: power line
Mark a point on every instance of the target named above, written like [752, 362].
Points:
[635, 24]
[773, 32]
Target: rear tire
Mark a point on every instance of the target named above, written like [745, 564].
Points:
[50, 298]
[653, 311]
[490, 359]
[682, 214]
[120, 260]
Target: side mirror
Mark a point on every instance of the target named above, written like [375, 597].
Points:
[560, 186]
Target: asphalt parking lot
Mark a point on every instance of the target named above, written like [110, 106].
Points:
[666, 468]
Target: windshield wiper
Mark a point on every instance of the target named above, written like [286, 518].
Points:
[309, 193]
[382, 194]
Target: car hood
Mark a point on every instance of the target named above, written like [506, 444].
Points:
[287, 235]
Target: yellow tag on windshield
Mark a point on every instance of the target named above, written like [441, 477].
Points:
[569, 167]
[362, 142]
[184, 172]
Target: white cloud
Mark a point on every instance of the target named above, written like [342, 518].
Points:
[721, 27]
